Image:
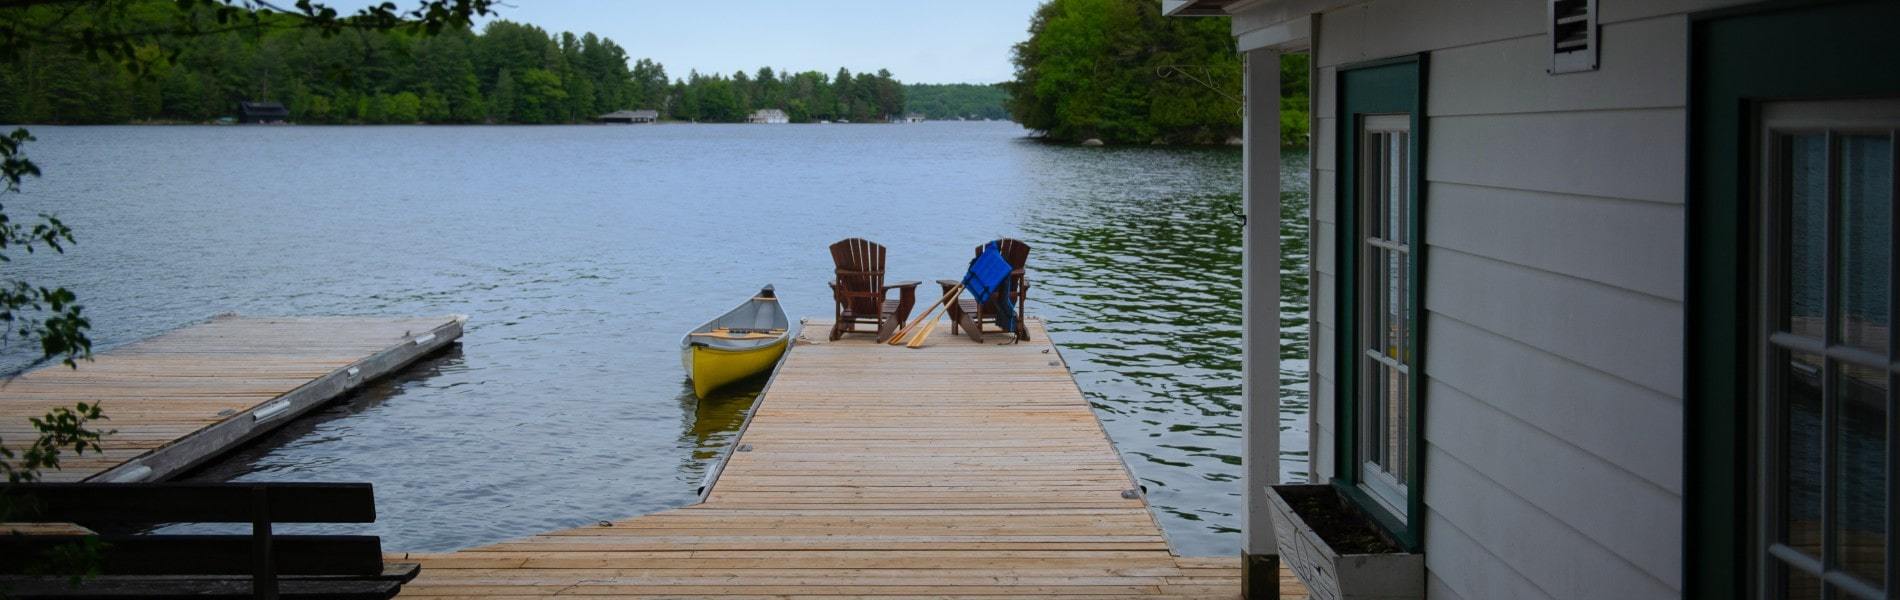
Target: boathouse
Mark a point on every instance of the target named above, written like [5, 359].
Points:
[262, 112]
[1601, 293]
[630, 116]
[768, 115]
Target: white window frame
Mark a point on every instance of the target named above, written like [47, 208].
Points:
[1384, 203]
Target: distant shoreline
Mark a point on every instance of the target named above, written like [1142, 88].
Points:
[427, 124]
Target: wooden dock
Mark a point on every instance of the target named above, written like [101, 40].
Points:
[954, 470]
[181, 398]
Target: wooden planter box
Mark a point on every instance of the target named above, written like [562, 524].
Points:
[1329, 575]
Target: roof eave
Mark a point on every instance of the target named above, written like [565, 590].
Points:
[1196, 8]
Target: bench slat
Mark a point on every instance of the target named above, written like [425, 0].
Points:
[189, 502]
[167, 588]
[355, 555]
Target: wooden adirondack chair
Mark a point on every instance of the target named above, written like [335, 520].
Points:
[966, 314]
[862, 297]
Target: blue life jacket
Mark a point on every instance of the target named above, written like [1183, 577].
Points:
[989, 281]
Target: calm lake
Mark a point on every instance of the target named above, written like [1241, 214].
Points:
[581, 254]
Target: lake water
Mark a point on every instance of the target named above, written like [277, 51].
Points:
[582, 253]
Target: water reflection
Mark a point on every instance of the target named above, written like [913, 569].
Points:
[1143, 288]
[711, 424]
[318, 441]
[252, 462]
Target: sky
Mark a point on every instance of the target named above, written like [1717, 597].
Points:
[920, 41]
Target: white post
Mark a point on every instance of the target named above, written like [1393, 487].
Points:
[1260, 318]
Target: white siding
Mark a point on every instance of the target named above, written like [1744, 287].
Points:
[1586, 237]
[1323, 240]
[1325, 288]
[1468, 569]
[1546, 474]
[1518, 539]
[1436, 588]
[1641, 63]
[1554, 249]
[1621, 423]
[1630, 336]
[1630, 154]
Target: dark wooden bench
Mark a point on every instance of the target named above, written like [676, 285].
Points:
[260, 565]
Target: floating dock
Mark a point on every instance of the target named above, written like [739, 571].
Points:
[957, 469]
[184, 397]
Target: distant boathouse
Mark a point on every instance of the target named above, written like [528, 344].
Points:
[262, 112]
[630, 116]
[768, 115]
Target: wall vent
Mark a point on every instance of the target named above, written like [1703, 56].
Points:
[1573, 36]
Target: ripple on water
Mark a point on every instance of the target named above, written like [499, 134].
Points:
[582, 253]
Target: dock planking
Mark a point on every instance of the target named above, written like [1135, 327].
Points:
[181, 398]
[865, 470]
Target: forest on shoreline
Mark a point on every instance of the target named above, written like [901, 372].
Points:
[506, 73]
[1111, 70]
[1120, 72]
[944, 101]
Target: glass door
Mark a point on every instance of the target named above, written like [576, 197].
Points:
[1826, 358]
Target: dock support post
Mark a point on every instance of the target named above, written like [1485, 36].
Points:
[1260, 319]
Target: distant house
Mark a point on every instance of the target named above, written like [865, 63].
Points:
[768, 115]
[908, 118]
[630, 116]
[262, 112]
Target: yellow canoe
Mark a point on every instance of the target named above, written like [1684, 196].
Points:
[745, 341]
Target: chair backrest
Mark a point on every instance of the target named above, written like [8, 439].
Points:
[860, 272]
[1016, 253]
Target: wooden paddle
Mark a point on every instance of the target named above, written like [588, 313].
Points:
[929, 312]
[917, 341]
[926, 322]
[897, 337]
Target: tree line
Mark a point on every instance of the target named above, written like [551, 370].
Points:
[505, 73]
[806, 96]
[1120, 72]
[957, 100]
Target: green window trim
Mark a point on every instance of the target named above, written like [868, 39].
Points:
[1388, 86]
[1738, 58]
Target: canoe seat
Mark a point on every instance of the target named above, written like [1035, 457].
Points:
[738, 333]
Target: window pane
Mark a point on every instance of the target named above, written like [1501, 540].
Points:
[1800, 430]
[1395, 406]
[1861, 496]
[1375, 189]
[1379, 334]
[1394, 301]
[1797, 584]
[1807, 230]
[1404, 177]
[1371, 419]
[1407, 345]
[1395, 187]
[1866, 188]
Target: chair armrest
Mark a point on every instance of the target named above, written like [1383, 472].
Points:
[906, 299]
